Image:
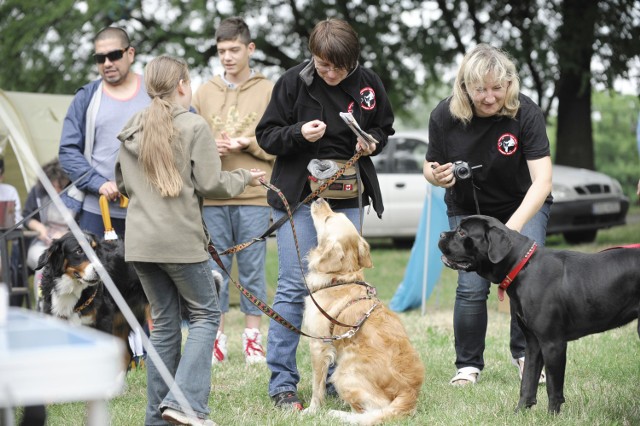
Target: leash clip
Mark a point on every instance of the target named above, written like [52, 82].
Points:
[349, 334]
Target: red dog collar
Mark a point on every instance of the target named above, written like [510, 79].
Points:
[512, 275]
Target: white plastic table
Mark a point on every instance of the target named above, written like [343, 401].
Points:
[44, 360]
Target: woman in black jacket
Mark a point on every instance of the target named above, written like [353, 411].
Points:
[302, 123]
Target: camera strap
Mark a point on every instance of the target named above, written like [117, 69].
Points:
[475, 196]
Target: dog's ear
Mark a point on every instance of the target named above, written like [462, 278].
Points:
[364, 254]
[53, 256]
[499, 244]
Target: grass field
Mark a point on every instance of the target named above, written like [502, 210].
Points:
[602, 380]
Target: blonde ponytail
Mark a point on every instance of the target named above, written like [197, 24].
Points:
[162, 76]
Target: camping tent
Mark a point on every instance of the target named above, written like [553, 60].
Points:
[37, 119]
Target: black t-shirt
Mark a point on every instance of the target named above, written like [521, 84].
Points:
[500, 145]
[338, 139]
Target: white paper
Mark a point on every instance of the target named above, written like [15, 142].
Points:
[348, 118]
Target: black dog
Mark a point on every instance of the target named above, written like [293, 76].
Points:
[559, 295]
[72, 289]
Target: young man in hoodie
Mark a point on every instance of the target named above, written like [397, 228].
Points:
[233, 103]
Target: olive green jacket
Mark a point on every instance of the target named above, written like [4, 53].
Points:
[171, 229]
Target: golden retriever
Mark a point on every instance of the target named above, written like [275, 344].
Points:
[378, 372]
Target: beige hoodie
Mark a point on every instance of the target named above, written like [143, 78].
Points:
[238, 111]
[171, 229]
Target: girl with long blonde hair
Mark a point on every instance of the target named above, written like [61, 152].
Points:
[167, 164]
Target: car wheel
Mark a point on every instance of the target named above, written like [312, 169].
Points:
[578, 237]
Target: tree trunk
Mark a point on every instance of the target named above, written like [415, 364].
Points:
[574, 142]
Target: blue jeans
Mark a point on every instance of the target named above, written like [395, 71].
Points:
[163, 283]
[93, 223]
[470, 309]
[282, 343]
[232, 225]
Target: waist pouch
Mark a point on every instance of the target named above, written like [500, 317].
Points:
[346, 186]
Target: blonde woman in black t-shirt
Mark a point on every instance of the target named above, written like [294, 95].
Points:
[501, 136]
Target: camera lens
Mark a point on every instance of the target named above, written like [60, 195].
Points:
[461, 170]
[463, 173]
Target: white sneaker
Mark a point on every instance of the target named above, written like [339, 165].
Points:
[219, 349]
[176, 417]
[252, 346]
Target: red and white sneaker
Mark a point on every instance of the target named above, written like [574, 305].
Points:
[219, 349]
[252, 346]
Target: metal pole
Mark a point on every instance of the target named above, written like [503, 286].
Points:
[425, 270]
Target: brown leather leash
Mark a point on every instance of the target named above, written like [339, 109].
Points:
[264, 307]
[350, 162]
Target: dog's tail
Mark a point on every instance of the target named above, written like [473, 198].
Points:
[403, 405]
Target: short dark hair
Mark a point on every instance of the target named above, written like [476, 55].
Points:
[1, 166]
[233, 28]
[335, 41]
[113, 32]
[54, 172]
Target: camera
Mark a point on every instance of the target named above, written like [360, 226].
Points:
[461, 170]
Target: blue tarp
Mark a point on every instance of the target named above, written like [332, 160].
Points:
[409, 292]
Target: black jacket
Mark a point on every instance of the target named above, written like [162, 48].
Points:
[293, 103]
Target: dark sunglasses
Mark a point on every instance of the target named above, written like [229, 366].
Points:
[113, 56]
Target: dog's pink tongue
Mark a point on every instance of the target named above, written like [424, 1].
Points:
[500, 294]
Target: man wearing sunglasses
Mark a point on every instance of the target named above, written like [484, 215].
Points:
[98, 112]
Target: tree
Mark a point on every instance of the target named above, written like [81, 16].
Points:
[556, 44]
[51, 43]
[412, 44]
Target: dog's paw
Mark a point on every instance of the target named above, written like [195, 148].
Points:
[345, 416]
[310, 410]
[314, 405]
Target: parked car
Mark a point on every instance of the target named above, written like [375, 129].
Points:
[584, 201]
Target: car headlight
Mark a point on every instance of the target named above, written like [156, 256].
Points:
[616, 188]
[562, 192]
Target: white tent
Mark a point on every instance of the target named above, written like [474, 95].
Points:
[38, 119]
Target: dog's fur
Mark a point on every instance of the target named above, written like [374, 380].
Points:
[559, 295]
[378, 372]
[72, 289]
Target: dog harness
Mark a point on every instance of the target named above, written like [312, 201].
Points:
[506, 282]
[372, 294]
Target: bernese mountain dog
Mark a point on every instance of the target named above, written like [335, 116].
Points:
[72, 289]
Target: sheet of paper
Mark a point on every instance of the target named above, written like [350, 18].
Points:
[348, 118]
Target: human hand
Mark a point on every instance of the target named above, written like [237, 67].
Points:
[110, 190]
[313, 130]
[366, 147]
[443, 174]
[256, 177]
[43, 233]
[227, 145]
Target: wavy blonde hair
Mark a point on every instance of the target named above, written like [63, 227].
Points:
[161, 77]
[480, 62]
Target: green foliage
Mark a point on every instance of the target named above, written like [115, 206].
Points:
[614, 121]
[616, 151]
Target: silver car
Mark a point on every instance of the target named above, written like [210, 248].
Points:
[584, 200]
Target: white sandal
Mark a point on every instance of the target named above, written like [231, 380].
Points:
[465, 375]
[519, 363]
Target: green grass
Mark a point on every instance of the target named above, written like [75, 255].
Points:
[602, 379]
